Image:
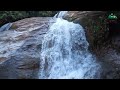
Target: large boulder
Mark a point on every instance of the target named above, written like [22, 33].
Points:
[20, 48]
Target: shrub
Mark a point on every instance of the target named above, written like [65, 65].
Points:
[11, 16]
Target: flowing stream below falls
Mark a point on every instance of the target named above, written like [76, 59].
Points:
[65, 53]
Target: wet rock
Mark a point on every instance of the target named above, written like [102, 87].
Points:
[20, 48]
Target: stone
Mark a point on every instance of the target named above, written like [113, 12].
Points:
[20, 48]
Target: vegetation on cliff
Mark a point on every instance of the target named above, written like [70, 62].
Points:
[97, 29]
[11, 16]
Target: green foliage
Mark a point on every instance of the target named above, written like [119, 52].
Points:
[96, 30]
[10, 16]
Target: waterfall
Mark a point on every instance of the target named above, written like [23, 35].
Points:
[60, 14]
[65, 53]
[6, 27]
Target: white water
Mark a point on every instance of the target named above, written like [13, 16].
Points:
[65, 54]
[60, 14]
[5, 27]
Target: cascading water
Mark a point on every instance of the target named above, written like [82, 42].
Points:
[6, 27]
[65, 54]
[60, 14]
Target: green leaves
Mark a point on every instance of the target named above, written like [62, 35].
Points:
[96, 28]
[10, 16]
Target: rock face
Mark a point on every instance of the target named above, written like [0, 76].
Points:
[109, 52]
[109, 55]
[78, 16]
[20, 48]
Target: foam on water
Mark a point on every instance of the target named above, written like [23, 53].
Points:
[65, 54]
